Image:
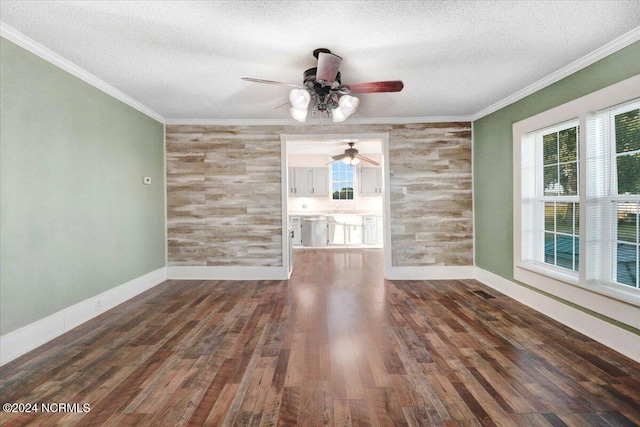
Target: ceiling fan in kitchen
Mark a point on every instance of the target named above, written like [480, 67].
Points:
[351, 157]
[322, 88]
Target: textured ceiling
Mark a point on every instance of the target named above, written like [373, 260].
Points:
[184, 59]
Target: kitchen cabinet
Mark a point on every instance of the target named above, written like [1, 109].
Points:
[308, 182]
[370, 181]
[320, 181]
[299, 185]
[296, 230]
[372, 230]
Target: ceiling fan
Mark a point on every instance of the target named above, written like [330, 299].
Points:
[351, 157]
[323, 86]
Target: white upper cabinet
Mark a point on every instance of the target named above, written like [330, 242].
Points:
[320, 182]
[370, 181]
[308, 182]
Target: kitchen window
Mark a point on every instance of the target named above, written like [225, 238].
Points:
[342, 181]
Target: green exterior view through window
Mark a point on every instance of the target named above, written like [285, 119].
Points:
[627, 161]
[342, 176]
[560, 197]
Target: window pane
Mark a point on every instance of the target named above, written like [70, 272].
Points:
[628, 174]
[568, 144]
[549, 215]
[569, 179]
[564, 218]
[549, 248]
[628, 131]
[564, 251]
[626, 264]
[550, 143]
[627, 221]
[576, 217]
[551, 180]
[342, 179]
[576, 253]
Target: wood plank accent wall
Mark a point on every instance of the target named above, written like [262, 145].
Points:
[224, 193]
[223, 196]
[433, 223]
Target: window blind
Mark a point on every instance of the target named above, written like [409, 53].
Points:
[613, 195]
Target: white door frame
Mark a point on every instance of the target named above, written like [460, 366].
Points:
[386, 212]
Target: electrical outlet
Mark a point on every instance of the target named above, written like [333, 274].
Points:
[98, 305]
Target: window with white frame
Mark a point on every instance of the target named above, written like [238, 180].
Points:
[342, 181]
[582, 193]
[614, 190]
[551, 204]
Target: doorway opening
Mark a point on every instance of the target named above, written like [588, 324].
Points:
[331, 201]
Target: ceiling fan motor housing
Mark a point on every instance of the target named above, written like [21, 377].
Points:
[309, 80]
[322, 93]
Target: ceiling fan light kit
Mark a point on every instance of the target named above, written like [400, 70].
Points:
[351, 160]
[323, 89]
[351, 157]
[300, 114]
[299, 98]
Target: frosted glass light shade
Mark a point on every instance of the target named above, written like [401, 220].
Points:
[337, 116]
[348, 104]
[298, 114]
[351, 160]
[299, 98]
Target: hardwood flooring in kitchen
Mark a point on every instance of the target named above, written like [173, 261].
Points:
[335, 345]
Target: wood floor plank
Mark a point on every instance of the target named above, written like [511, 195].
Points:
[334, 345]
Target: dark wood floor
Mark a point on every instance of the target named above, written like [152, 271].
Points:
[335, 345]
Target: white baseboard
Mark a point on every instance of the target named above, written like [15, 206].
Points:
[16, 343]
[616, 338]
[430, 273]
[180, 272]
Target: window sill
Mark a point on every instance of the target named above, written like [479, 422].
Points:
[550, 280]
[547, 270]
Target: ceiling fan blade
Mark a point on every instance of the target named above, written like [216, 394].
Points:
[328, 65]
[371, 87]
[368, 160]
[271, 82]
[282, 105]
[333, 161]
[340, 156]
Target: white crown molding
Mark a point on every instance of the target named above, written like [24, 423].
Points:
[598, 54]
[36, 48]
[32, 46]
[317, 122]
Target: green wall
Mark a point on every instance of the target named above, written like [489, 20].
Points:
[76, 219]
[493, 154]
